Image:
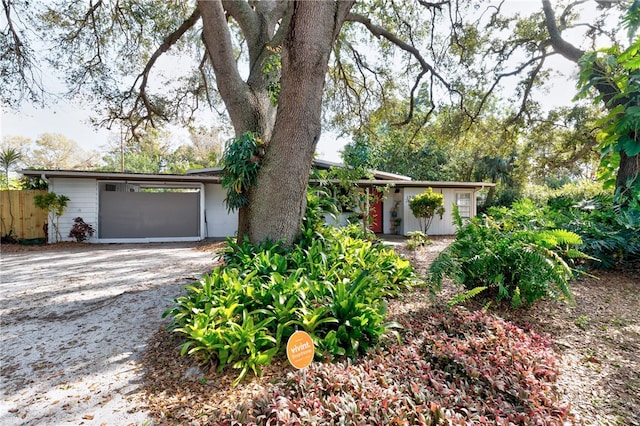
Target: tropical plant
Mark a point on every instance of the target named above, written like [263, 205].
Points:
[425, 206]
[518, 263]
[9, 158]
[417, 239]
[613, 74]
[610, 232]
[55, 206]
[332, 285]
[80, 230]
[241, 161]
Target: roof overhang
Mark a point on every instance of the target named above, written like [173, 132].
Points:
[200, 178]
[129, 177]
[318, 164]
[377, 174]
[423, 184]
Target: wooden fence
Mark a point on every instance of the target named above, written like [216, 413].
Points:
[28, 220]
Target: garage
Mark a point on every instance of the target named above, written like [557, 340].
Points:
[148, 211]
[139, 207]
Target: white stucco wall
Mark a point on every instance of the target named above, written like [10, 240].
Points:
[83, 202]
[219, 222]
[444, 226]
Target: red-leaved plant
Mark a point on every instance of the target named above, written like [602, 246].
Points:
[80, 230]
[456, 367]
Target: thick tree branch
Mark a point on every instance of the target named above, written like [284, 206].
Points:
[378, 32]
[602, 83]
[234, 91]
[561, 46]
[247, 19]
[143, 78]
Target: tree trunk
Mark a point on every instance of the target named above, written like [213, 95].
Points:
[609, 91]
[629, 170]
[278, 200]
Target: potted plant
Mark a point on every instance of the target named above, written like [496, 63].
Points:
[396, 224]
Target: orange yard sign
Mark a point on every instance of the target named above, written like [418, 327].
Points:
[300, 349]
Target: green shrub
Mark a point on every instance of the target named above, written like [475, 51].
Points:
[575, 191]
[334, 288]
[610, 233]
[425, 206]
[510, 256]
[417, 239]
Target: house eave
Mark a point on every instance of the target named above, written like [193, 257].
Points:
[137, 177]
[365, 183]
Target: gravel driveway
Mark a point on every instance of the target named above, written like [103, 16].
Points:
[73, 323]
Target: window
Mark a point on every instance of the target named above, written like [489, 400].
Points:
[463, 201]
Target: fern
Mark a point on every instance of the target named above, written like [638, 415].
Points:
[465, 296]
[445, 265]
[522, 263]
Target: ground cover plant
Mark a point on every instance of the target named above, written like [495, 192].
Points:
[334, 287]
[454, 367]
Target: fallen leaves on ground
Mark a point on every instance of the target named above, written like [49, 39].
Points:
[597, 342]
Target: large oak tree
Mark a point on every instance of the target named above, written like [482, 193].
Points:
[150, 61]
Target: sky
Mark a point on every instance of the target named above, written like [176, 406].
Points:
[72, 121]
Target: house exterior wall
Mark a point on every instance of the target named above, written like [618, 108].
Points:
[216, 222]
[390, 200]
[219, 223]
[83, 202]
[444, 226]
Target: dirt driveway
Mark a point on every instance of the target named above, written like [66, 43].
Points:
[73, 323]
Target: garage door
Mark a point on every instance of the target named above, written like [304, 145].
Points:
[149, 214]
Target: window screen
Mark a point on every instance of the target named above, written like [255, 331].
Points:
[463, 201]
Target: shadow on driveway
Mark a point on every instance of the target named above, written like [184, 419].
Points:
[74, 322]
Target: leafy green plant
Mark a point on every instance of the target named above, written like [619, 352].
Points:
[516, 263]
[583, 321]
[241, 161]
[610, 233]
[320, 204]
[55, 206]
[417, 239]
[333, 286]
[425, 206]
[619, 127]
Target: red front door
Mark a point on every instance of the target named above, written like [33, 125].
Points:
[376, 211]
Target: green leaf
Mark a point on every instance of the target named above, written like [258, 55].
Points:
[630, 146]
